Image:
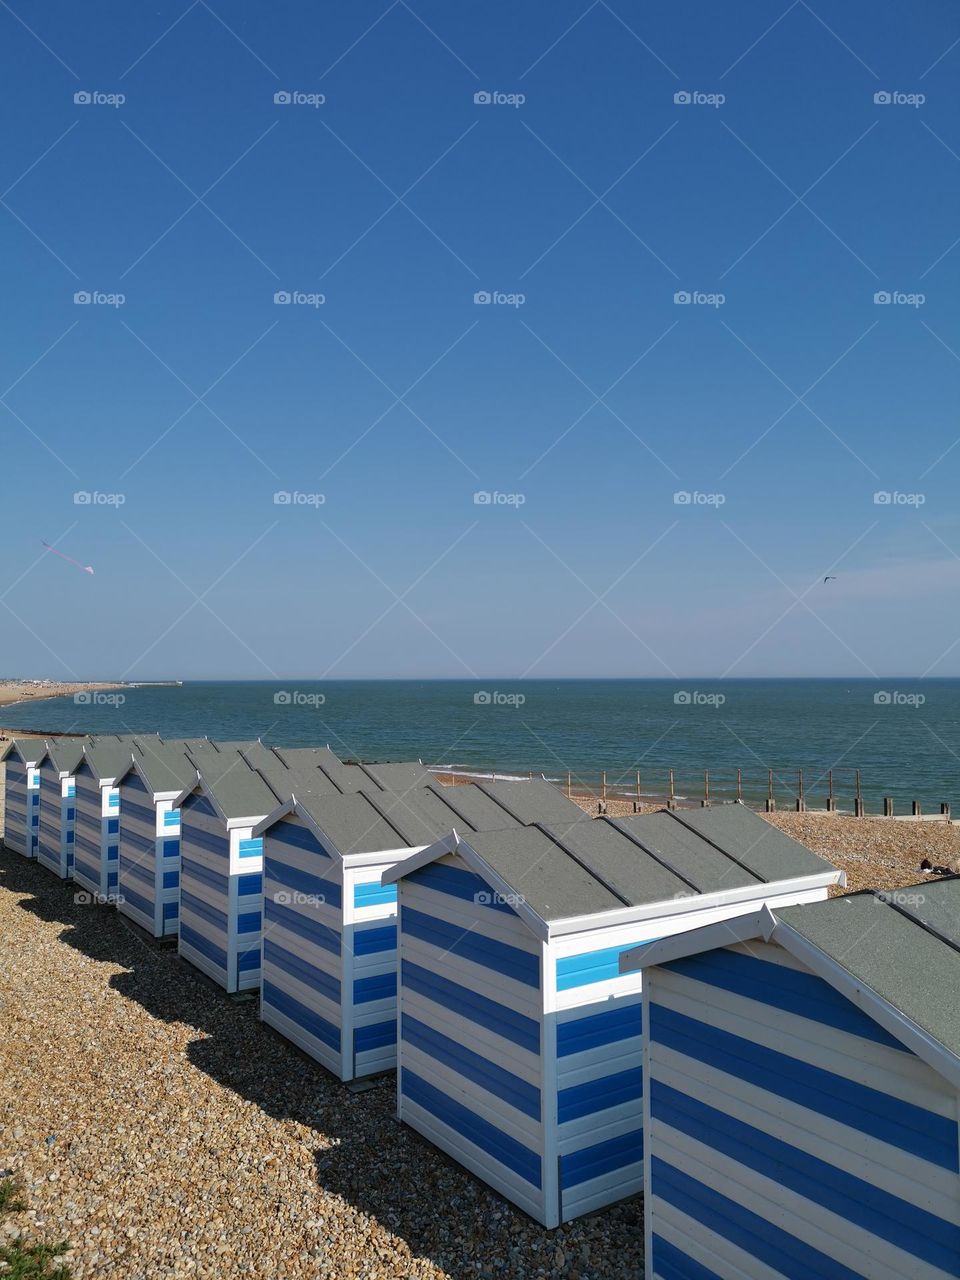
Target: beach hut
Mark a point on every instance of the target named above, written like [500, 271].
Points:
[57, 804]
[21, 758]
[329, 976]
[803, 1088]
[97, 820]
[520, 1050]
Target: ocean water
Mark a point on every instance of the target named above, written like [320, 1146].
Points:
[903, 736]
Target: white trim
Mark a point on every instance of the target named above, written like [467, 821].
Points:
[432, 853]
[283, 810]
[680, 945]
[647, 1130]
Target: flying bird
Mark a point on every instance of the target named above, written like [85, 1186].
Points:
[831, 577]
[87, 568]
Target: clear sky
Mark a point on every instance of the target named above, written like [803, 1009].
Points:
[619, 156]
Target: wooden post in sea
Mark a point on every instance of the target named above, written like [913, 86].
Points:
[831, 800]
[888, 806]
[603, 785]
[771, 802]
[739, 788]
[917, 811]
[801, 803]
[568, 784]
[637, 802]
[858, 799]
[671, 799]
[945, 810]
[706, 788]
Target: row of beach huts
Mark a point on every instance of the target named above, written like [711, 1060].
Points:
[577, 1008]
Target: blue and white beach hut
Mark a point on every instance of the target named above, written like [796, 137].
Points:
[520, 1049]
[57, 804]
[97, 821]
[803, 1090]
[329, 925]
[22, 757]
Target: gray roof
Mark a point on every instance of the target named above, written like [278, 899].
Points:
[165, 766]
[760, 846]
[66, 753]
[109, 757]
[884, 941]
[579, 868]
[318, 757]
[238, 790]
[399, 776]
[28, 749]
[535, 800]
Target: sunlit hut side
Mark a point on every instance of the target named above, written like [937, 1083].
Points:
[58, 804]
[21, 758]
[520, 1042]
[97, 821]
[803, 1069]
[329, 926]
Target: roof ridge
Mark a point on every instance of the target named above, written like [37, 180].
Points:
[435, 788]
[580, 863]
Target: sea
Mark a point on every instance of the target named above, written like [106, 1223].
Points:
[902, 736]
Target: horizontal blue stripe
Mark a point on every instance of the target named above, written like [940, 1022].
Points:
[671, 1263]
[372, 941]
[189, 902]
[459, 883]
[113, 800]
[374, 894]
[138, 841]
[171, 910]
[312, 977]
[380, 986]
[113, 826]
[190, 938]
[89, 846]
[376, 1036]
[171, 849]
[250, 848]
[207, 840]
[111, 880]
[782, 988]
[197, 802]
[191, 870]
[497, 1144]
[592, 966]
[902, 1124]
[247, 961]
[71, 813]
[470, 945]
[248, 922]
[602, 1157]
[171, 817]
[598, 1029]
[320, 1028]
[296, 837]
[495, 1017]
[494, 1079]
[133, 869]
[71, 791]
[171, 879]
[139, 901]
[304, 882]
[142, 812]
[320, 935]
[598, 1095]
[250, 885]
[770, 1244]
[113, 852]
[886, 1216]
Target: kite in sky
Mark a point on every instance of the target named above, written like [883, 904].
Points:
[87, 568]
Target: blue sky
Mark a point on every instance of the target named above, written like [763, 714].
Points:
[782, 186]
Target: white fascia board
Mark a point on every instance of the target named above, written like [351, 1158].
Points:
[186, 791]
[449, 843]
[921, 1042]
[693, 902]
[234, 823]
[354, 861]
[283, 810]
[722, 933]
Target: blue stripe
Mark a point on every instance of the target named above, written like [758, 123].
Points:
[171, 910]
[784, 1253]
[113, 800]
[138, 901]
[886, 1216]
[374, 894]
[171, 817]
[494, 1079]
[495, 1017]
[670, 1263]
[133, 869]
[902, 1124]
[458, 883]
[171, 849]
[145, 813]
[189, 937]
[774, 984]
[190, 834]
[326, 1032]
[248, 922]
[380, 986]
[376, 1036]
[320, 935]
[137, 840]
[370, 942]
[197, 907]
[591, 966]
[171, 879]
[312, 886]
[602, 1157]
[191, 870]
[492, 954]
[250, 848]
[250, 885]
[596, 1029]
[197, 802]
[497, 1144]
[319, 980]
[248, 960]
[296, 837]
[600, 1094]
[113, 826]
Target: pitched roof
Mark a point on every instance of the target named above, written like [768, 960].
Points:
[237, 790]
[165, 767]
[398, 776]
[535, 800]
[319, 757]
[109, 757]
[30, 750]
[758, 845]
[66, 753]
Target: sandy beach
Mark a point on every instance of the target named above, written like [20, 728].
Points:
[13, 692]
